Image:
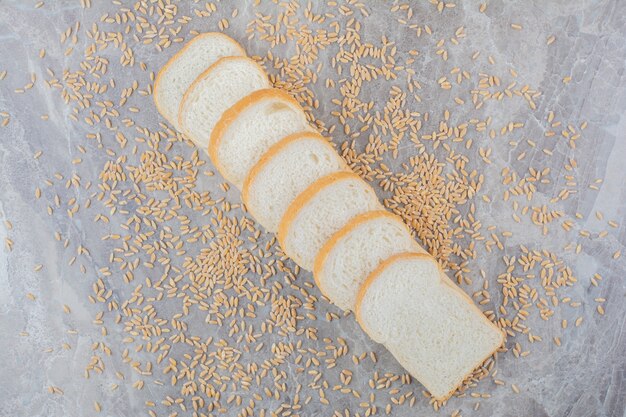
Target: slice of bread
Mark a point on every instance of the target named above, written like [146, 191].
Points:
[183, 68]
[218, 88]
[249, 128]
[351, 254]
[284, 172]
[430, 325]
[320, 211]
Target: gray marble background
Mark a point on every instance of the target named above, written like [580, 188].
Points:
[583, 377]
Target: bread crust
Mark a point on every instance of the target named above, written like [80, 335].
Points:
[273, 151]
[183, 103]
[408, 255]
[180, 53]
[235, 111]
[304, 197]
[355, 222]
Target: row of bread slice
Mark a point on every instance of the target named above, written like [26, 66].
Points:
[328, 219]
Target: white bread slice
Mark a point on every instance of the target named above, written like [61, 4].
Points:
[284, 172]
[250, 127]
[218, 88]
[183, 68]
[352, 253]
[320, 211]
[429, 325]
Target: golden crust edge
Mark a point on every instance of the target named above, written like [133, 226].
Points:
[304, 197]
[176, 56]
[271, 153]
[405, 255]
[233, 113]
[182, 108]
[352, 224]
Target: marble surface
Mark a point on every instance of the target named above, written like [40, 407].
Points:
[44, 351]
